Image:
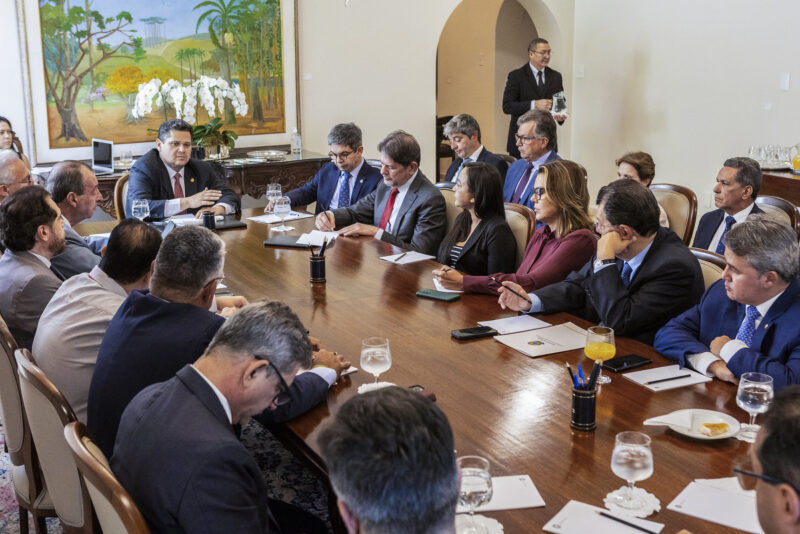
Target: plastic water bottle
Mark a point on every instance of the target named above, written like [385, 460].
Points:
[297, 143]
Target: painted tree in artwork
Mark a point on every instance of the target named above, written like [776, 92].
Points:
[221, 19]
[74, 40]
[125, 81]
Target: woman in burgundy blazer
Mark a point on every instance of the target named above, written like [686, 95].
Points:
[564, 243]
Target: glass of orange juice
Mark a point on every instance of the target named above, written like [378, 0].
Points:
[600, 347]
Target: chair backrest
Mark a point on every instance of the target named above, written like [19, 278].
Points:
[680, 203]
[115, 509]
[121, 195]
[711, 265]
[522, 221]
[508, 158]
[48, 412]
[781, 209]
[446, 189]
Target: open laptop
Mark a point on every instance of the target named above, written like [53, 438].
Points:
[102, 156]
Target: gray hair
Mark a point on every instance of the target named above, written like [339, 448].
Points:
[189, 258]
[538, 40]
[410, 481]
[7, 159]
[767, 244]
[345, 134]
[749, 172]
[66, 177]
[464, 124]
[269, 330]
[545, 125]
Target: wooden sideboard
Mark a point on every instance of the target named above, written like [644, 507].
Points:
[782, 184]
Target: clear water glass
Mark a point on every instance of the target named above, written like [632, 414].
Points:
[282, 208]
[753, 396]
[632, 461]
[476, 488]
[140, 208]
[376, 358]
[274, 192]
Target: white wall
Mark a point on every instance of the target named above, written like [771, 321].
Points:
[685, 81]
[11, 90]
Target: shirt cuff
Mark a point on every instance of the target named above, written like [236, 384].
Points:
[701, 362]
[533, 103]
[326, 373]
[228, 208]
[603, 266]
[379, 234]
[171, 207]
[536, 304]
[730, 348]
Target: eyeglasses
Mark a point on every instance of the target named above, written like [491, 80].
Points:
[542, 52]
[340, 155]
[282, 397]
[539, 192]
[749, 484]
[524, 139]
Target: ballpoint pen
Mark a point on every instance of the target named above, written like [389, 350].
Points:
[324, 246]
[572, 376]
[666, 379]
[580, 375]
[523, 297]
[400, 257]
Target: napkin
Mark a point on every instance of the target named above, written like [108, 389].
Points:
[681, 418]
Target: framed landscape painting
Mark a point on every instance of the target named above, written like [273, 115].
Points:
[87, 59]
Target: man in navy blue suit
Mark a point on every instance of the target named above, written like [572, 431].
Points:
[177, 452]
[735, 193]
[155, 333]
[748, 321]
[464, 134]
[536, 140]
[344, 180]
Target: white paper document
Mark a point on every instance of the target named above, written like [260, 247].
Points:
[316, 238]
[544, 341]
[407, 257]
[514, 324]
[188, 219]
[719, 501]
[579, 518]
[440, 287]
[271, 219]
[652, 378]
[510, 493]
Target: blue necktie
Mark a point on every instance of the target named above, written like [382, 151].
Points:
[626, 274]
[729, 221]
[344, 190]
[748, 327]
[461, 168]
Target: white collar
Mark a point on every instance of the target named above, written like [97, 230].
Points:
[742, 215]
[474, 155]
[171, 172]
[357, 170]
[106, 282]
[42, 258]
[403, 188]
[222, 400]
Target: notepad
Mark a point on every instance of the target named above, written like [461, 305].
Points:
[316, 238]
[515, 323]
[659, 373]
[440, 287]
[544, 341]
[271, 219]
[720, 501]
[407, 257]
[510, 493]
[579, 518]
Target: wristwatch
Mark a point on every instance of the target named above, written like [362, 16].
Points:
[600, 263]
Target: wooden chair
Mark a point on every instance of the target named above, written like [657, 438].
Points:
[780, 209]
[115, 509]
[711, 264]
[522, 221]
[120, 195]
[48, 412]
[26, 475]
[446, 189]
[508, 159]
[680, 203]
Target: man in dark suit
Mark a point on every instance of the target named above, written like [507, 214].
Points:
[643, 274]
[735, 193]
[464, 134]
[344, 180]
[174, 183]
[155, 333]
[73, 186]
[532, 86]
[405, 210]
[536, 139]
[177, 452]
[33, 232]
[748, 321]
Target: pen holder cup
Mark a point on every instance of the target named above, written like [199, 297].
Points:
[317, 269]
[584, 402]
[209, 220]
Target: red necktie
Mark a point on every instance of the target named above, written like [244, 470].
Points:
[178, 189]
[389, 207]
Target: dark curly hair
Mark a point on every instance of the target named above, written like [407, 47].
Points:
[21, 213]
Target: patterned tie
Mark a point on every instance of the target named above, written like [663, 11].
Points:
[729, 221]
[344, 190]
[523, 182]
[461, 168]
[626, 274]
[541, 81]
[177, 187]
[748, 327]
[387, 212]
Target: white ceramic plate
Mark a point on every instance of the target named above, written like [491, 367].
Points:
[268, 155]
[698, 417]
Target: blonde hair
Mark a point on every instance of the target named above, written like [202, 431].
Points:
[568, 191]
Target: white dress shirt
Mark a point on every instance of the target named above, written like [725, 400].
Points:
[350, 185]
[742, 215]
[536, 72]
[398, 202]
[222, 399]
[173, 205]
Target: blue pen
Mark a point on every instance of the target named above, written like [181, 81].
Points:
[580, 374]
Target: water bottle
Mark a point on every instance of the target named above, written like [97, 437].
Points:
[297, 143]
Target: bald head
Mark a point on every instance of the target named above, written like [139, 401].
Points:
[14, 174]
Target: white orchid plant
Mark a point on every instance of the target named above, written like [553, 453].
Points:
[211, 93]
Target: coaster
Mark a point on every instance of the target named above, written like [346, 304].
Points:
[651, 502]
[492, 525]
[372, 386]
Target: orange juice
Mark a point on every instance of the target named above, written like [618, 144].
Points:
[796, 161]
[597, 350]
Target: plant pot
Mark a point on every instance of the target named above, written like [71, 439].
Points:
[219, 152]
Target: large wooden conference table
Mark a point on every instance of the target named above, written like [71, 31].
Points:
[502, 405]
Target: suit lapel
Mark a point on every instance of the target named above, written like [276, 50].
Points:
[381, 199]
[198, 386]
[360, 179]
[775, 311]
[408, 201]
[528, 75]
[474, 238]
[189, 181]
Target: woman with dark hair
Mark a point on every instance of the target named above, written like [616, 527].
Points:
[564, 243]
[9, 139]
[480, 241]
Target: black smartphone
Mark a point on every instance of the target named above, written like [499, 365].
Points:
[438, 295]
[476, 332]
[625, 363]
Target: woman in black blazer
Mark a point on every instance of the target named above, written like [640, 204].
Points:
[480, 241]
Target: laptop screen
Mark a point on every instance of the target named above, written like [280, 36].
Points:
[102, 156]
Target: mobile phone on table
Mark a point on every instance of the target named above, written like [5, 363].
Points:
[438, 295]
[476, 332]
[625, 363]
